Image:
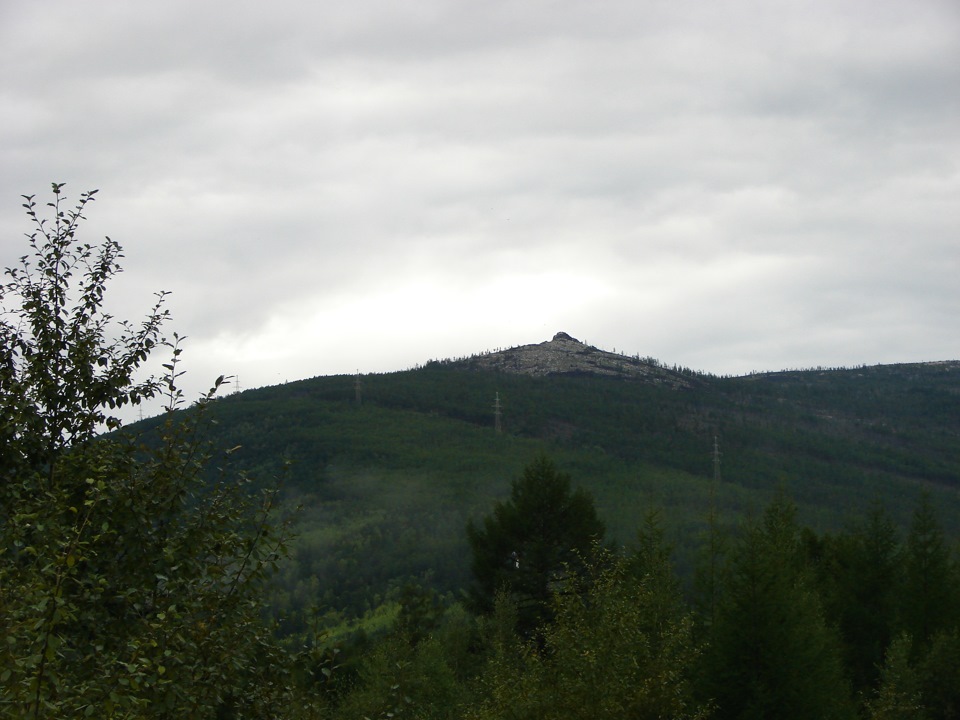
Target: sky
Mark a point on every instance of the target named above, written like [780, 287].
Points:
[362, 186]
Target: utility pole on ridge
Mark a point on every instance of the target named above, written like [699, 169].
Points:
[716, 460]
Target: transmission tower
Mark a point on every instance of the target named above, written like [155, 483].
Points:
[716, 459]
[715, 544]
[496, 415]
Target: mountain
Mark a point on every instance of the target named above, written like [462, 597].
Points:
[390, 467]
[565, 355]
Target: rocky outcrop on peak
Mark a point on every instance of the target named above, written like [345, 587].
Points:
[565, 355]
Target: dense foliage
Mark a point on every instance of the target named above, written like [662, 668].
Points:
[788, 638]
[130, 585]
[620, 645]
[772, 652]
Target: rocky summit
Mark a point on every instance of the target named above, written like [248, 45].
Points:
[565, 355]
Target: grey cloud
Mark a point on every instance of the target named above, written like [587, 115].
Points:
[712, 176]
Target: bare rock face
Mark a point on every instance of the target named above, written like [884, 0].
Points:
[565, 355]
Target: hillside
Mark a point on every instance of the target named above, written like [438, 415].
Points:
[390, 468]
[565, 355]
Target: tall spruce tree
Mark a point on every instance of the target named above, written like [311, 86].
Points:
[930, 598]
[530, 542]
[770, 651]
[921, 674]
[860, 576]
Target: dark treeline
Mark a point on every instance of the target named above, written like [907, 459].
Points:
[388, 484]
[779, 621]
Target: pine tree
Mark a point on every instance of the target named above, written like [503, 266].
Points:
[771, 653]
[922, 669]
[898, 695]
[930, 598]
[860, 576]
[919, 685]
[529, 543]
[615, 649]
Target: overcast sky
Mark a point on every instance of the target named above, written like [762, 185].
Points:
[364, 185]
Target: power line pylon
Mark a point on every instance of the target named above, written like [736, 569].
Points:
[709, 580]
[716, 459]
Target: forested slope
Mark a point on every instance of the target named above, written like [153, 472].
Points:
[390, 469]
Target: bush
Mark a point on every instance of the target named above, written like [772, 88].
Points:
[128, 585]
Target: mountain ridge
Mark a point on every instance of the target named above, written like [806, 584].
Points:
[389, 470]
[566, 355]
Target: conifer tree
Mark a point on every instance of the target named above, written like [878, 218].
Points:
[531, 541]
[615, 649]
[921, 673]
[898, 694]
[919, 684]
[771, 653]
[860, 576]
[929, 601]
